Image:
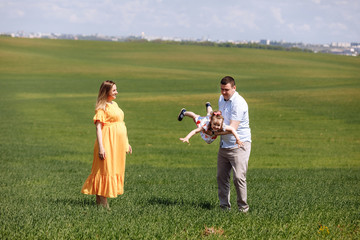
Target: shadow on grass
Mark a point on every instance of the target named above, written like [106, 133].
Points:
[171, 202]
[79, 202]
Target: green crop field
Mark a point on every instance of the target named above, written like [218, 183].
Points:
[304, 168]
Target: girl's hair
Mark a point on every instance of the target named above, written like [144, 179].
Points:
[104, 91]
[216, 116]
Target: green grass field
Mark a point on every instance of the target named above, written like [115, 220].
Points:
[304, 169]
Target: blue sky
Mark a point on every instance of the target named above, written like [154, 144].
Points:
[308, 21]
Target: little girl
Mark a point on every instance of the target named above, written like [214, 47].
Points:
[209, 126]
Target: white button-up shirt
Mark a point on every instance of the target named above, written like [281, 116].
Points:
[235, 109]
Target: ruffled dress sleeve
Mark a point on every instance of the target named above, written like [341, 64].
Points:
[100, 116]
[205, 122]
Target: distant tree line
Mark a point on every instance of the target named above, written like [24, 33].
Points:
[233, 45]
[197, 43]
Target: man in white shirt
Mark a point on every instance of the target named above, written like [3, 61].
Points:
[230, 157]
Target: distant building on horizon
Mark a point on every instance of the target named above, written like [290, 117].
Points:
[265, 42]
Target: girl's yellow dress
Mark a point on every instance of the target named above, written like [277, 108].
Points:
[107, 176]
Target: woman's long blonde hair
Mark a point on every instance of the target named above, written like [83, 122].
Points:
[104, 91]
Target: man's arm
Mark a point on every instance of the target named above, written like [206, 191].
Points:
[229, 130]
[233, 131]
[234, 124]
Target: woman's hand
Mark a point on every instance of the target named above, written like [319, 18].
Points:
[129, 150]
[102, 155]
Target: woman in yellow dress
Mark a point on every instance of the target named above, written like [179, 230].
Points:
[106, 179]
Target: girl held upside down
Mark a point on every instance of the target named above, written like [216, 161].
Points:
[209, 126]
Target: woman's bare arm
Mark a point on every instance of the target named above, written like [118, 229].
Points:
[99, 139]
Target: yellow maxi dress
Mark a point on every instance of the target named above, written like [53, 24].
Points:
[107, 176]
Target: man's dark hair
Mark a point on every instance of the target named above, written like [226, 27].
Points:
[227, 80]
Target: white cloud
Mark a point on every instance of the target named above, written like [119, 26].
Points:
[12, 9]
[317, 1]
[298, 29]
[232, 19]
[74, 18]
[343, 2]
[236, 19]
[291, 26]
[243, 18]
[338, 26]
[276, 13]
[305, 27]
[19, 13]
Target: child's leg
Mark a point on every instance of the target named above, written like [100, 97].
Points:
[184, 113]
[191, 114]
[208, 108]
